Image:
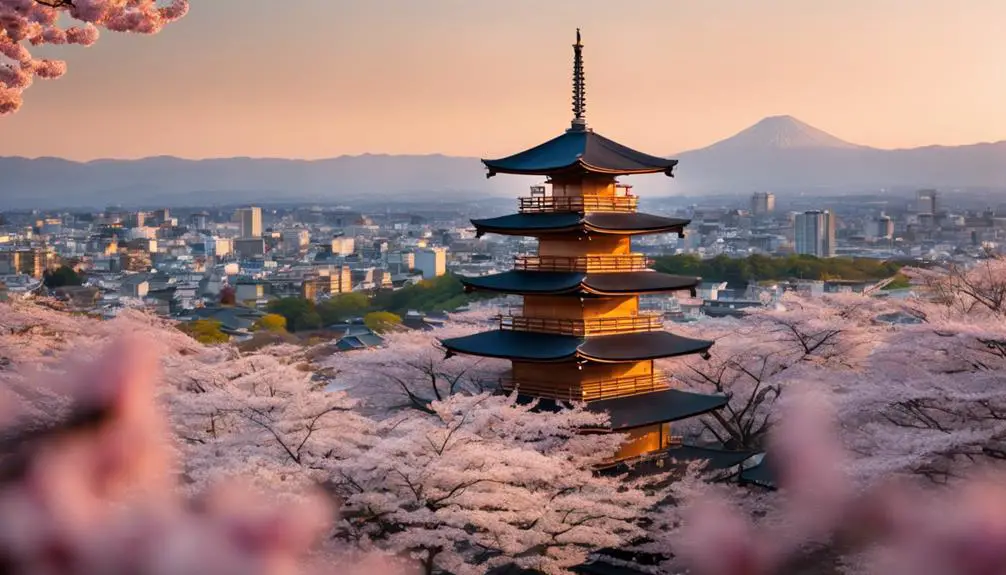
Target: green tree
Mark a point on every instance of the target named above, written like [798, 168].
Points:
[300, 313]
[381, 321]
[738, 272]
[444, 293]
[204, 331]
[271, 322]
[61, 276]
[342, 307]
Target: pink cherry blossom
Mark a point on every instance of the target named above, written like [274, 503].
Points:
[26, 22]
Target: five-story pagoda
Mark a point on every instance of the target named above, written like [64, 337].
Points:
[580, 335]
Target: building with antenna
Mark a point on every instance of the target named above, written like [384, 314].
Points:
[579, 334]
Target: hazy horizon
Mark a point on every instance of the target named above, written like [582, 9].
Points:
[320, 79]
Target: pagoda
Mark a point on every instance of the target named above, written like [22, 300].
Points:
[579, 334]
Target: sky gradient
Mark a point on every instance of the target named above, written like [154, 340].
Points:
[321, 78]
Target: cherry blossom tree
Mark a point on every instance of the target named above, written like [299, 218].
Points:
[487, 481]
[970, 290]
[411, 370]
[261, 417]
[491, 481]
[885, 526]
[26, 23]
[90, 490]
[755, 358]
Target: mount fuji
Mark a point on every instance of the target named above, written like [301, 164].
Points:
[784, 154]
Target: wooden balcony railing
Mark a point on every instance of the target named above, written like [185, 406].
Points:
[592, 263]
[545, 204]
[621, 386]
[584, 327]
[591, 390]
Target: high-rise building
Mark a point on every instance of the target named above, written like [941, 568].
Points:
[137, 220]
[880, 228]
[815, 233]
[401, 262]
[327, 281]
[762, 203]
[251, 222]
[432, 262]
[295, 240]
[199, 220]
[249, 247]
[343, 246]
[580, 335]
[27, 261]
[885, 225]
[925, 202]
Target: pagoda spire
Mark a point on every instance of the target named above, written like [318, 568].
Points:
[579, 87]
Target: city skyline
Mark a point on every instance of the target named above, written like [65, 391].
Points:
[344, 78]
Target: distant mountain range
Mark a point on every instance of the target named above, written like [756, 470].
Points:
[783, 153]
[778, 153]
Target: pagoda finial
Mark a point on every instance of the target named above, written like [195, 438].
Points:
[579, 87]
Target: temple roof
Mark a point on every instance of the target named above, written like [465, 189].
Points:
[717, 461]
[554, 283]
[580, 150]
[643, 409]
[546, 347]
[762, 474]
[598, 222]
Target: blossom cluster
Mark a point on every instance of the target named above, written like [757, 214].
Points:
[26, 23]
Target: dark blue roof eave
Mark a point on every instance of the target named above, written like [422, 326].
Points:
[580, 150]
[544, 347]
[532, 282]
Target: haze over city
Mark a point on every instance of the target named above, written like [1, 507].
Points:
[315, 78]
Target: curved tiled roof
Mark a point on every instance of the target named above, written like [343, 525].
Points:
[630, 223]
[580, 151]
[553, 283]
[546, 347]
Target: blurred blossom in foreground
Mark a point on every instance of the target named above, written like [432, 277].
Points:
[93, 492]
[890, 527]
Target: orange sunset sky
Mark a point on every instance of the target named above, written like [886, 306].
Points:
[321, 78]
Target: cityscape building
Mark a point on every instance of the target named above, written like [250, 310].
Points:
[925, 202]
[251, 222]
[431, 262]
[762, 203]
[815, 233]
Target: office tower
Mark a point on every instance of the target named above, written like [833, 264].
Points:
[925, 202]
[199, 220]
[251, 222]
[880, 228]
[295, 240]
[432, 262]
[343, 246]
[815, 233]
[580, 334]
[762, 203]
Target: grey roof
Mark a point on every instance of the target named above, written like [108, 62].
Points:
[231, 318]
[361, 341]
